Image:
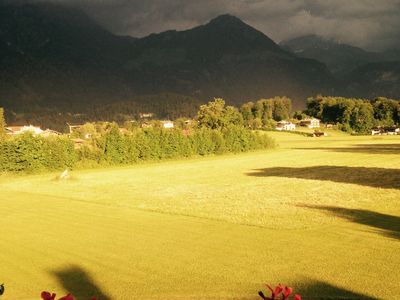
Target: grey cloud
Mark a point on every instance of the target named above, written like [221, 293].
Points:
[366, 23]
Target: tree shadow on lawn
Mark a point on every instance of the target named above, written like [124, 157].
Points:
[77, 282]
[373, 177]
[318, 290]
[362, 148]
[387, 224]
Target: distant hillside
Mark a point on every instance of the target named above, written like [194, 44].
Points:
[392, 54]
[375, 79]
[340, 58]
[54, 55]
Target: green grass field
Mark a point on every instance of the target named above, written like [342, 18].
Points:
[319, 214]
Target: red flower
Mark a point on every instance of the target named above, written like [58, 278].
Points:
[278, 289]
[48, 296]
[286, 292]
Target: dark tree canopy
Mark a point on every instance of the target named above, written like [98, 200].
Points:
[358, 115]
[264, 112]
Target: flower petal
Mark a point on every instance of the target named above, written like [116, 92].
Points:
[278, 289]
[287, 291]
[67, 297]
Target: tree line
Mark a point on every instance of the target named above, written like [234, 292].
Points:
[357, 115]
[217, 129]
[214, 133]
[348, 114]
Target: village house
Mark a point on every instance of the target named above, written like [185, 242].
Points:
[376, 131]
[310, 123]
[389, 130]
[14, 130]
[164, 124]
[167, 124]
[146, 115]
[74, 127]
[285, 125]
[392, 130]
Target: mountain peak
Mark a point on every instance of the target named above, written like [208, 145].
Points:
[226, 19]
[232, 34]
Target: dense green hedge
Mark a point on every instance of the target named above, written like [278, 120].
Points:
[32, 154]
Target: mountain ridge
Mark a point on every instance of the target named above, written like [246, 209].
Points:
[56, 56]
[341, 58]
[82, 62]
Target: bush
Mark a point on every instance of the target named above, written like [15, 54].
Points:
[30, 153]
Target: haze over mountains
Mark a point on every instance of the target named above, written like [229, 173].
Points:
[340, 58]
[56, 56]
[361, 73]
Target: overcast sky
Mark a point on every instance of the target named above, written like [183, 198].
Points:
[373, 24]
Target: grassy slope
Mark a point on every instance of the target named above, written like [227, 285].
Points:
[319, 214]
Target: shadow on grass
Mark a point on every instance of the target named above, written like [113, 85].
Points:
[77, 282]
[317, 290]
[362, 148]
[373, 177]
[388, 224]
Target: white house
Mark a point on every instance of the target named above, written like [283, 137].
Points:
[285, 125]
[376, 131]
[390, 130]
[167, 124]
[14, 130]
[310, 123]
[146, 115]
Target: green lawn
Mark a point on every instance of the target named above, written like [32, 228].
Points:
[319, 214]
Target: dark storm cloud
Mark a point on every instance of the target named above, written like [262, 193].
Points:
[367, 23]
